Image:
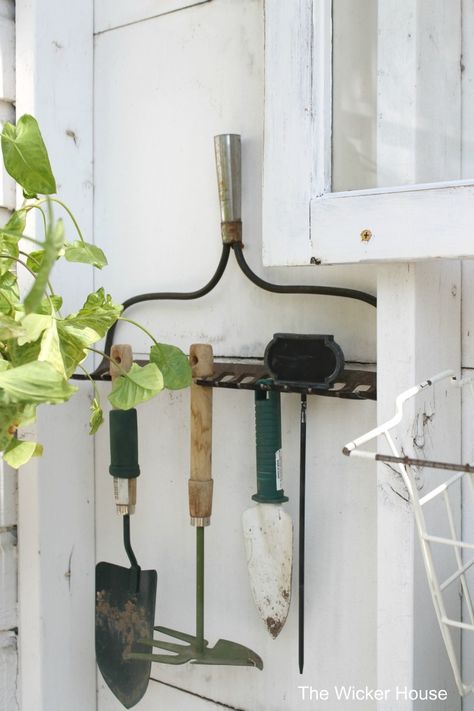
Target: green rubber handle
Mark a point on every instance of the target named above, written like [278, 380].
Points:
[268, 438]
[124, 444]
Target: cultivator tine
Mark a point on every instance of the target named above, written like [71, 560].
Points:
[189, 638]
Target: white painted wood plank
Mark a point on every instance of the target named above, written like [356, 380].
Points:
[7, 59]
[110, 14]
[409, 225]
[8, 581]
[7, 185]
[468, 527]
[56, 571]
[8, 496]
[7, 9]
[61, 46]
[8, 672]
[340, 563]
[289, 138]
[418, 335]
[56, 503]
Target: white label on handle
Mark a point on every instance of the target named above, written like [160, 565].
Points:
[279, 469]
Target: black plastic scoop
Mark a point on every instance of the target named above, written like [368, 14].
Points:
[124, 597]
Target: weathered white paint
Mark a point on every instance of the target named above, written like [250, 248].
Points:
[56, 496]
[419, 122]
[268, 538]
[404, 224]
[109, 14]
[418, 334]
[7, 186]
[194, 74]
[8, 672]
[8, 580]
[7, 50]
[289, 127]
[8, 496]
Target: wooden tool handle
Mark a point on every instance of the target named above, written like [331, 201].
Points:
[125, 490]
[200, 480]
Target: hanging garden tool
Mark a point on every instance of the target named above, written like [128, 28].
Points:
[125, 597]
[268, 529]
[194, 648]
[314, 362]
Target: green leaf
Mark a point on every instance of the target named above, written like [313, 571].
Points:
[94, 319]
[26, 158]
[36, 382]
[35, 260]
[96, 418]
[50, 305]
[9, 328]
[33, 327]
[173, 364]
[18, 452]
[53, 245]
[50, 350]
[20, 355]
[9, 294]
[9, 251]
[73, 349]
[17, 222]
[85, 253]
[136, 386]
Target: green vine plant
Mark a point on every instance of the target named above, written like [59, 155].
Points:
[40, 348]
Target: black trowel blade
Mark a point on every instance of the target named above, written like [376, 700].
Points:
[124, 614]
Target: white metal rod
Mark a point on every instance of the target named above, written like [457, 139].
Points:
[399, 403]
[459, 625]
[440, 489]
[457, 554]
[447, 541]
[456, 575]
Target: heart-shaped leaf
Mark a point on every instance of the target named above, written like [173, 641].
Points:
[26, 158]
[85, 253]
[35, 382]
[173, 364]
[136, 386]
[18, 452]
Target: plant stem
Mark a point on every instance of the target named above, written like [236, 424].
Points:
[35, 206]
[138, 325]
[94, 385]
[65, 207]
[50, 286]
[109, 358]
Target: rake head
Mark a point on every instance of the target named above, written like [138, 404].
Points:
[197, 651]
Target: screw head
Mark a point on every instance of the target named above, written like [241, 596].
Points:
[366, 235]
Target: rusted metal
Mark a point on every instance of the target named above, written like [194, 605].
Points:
[231, 232]
[351, 384]
[431, 464]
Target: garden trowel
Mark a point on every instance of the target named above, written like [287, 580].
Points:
[268, 530]
[125, 597]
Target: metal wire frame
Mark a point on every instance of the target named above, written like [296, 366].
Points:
[427, 540]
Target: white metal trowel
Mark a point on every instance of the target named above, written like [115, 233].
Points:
[268, 529]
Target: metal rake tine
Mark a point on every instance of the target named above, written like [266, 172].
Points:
[178, 635]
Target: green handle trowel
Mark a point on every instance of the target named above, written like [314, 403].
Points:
[268, 530]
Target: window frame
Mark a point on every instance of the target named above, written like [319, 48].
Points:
[303, 221]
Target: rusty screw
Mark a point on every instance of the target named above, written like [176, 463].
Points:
[366, 235]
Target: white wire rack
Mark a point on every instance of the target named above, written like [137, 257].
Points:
[444, 493]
